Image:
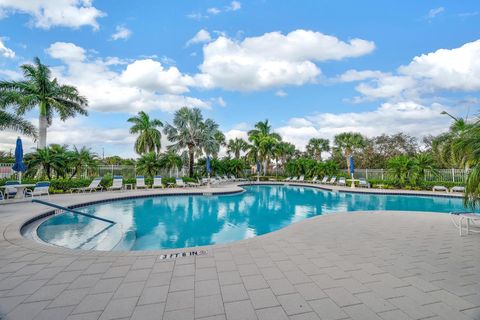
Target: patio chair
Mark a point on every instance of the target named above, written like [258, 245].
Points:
[332, 180]
[324, 180]
[342, 181]
[458, 189]
[362, 183]
[94, 186]
[140, 183]
[294, 179]
[157, 182]
[179, 183]
[193, 184]
[469, 219]
[440, 188]
[314, 180]
[10, 192]
[117, 184]
[204, 181]
[301, 178]
[40, 189]
[288, 179]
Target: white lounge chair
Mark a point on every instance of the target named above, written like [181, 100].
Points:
[193, 184]
[204, 181]
[362, 183]
[93, 186]
[342, 181]
[179, 183]
[140, 183]
[468, 218]
[288, 179]
[324, 180]
[301, 178]
[117, 184]
[294, 179]
[439, 188]
[314, 180]
[332, 180]
[10, 192]
[40, 189]
[458, 189]
[157, 182]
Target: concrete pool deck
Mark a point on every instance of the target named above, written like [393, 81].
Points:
[362, 265]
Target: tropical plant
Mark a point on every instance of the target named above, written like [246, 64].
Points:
[236, 146]
[82, 158]
[148, 164]
[170, 160]
[316, 146]
[264, 140]
[16, 123]
[45, 161]
[38, 89]
[190, 132]
[149, 137]
[400, 169]
[347, 143]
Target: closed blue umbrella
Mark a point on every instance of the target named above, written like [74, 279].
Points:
[259, 167]
[19, 166]
[352, 165]
[209, 169]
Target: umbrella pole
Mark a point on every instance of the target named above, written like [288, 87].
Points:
[20, 177]
[353, 182]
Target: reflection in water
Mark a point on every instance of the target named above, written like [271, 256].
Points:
[186, 221]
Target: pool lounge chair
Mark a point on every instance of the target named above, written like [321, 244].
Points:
[10, 192]
[469, 219]
[140, 183]
[179, 183]
[288, 179]
[117, 184]
[301, 178]
[458, 189]
[342, 181]
[294, 179]
[324, 180]
[157, 182]
[362, 183]
[314, 180]
[40, 189]
[332, 180]
[194, 184]
[440, 188]
[94, 186]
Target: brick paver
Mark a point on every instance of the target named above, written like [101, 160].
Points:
[382, 265]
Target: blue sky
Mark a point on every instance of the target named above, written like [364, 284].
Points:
[313, 68]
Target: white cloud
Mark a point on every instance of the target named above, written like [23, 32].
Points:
[234, 6]
[407, 116]
[273, 59]
[456, 69]
[213, 11]
[6, 52]
[51, 13]
[121, 32]
[141, 85]
[281, 93]
[434, 12]
[201, 36]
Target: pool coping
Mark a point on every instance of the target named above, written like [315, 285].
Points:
[13, 232]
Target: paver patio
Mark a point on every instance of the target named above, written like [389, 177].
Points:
[362, 265]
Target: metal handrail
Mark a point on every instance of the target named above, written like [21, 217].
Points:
[73, 211]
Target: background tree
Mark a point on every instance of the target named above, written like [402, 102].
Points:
[236, 146]
[46, 161]
[264, 140]
[16, 123]
[347, 143]
[316, 146]
[38, 89]
[170, 160]
[148, 164]
[80, 159]
[149, 137]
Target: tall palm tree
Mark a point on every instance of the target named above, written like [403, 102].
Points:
[348, 142]
[190, 132]
[149, 138]
[16, 123]
[264, 139]
[316, 146]
[39, 89]
[45, 161]
[284, 151]
[236, 146]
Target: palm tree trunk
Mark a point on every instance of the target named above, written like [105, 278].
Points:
[42, 127]
[191, 162]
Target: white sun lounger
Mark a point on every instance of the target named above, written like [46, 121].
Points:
[342, 181]
[439, 188]
[157, 182]
[333, 180]
[362, 183]
[301, 178]
[468, 219]
[40, 189]
[117, 184]
[94, 186]
[179, 183]
[314, 180]
[324, 180]
[140, 183]
[294, 179]
[457, 189]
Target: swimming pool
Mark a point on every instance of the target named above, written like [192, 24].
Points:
[188, 221]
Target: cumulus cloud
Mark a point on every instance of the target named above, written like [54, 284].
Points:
[213, 10]
[6, 52]
[456, 69]
[234, 6]
[273, 59]
[406, 116]
[281, 93]
[51, 13]
[121, 33]
[141, 85]
[201, 36]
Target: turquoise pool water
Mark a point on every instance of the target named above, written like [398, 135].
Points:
[188, 221]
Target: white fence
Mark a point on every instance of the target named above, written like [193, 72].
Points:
[445, 175]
